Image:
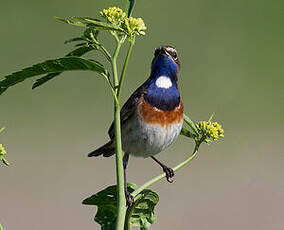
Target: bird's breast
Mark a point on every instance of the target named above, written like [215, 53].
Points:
[152, 115]
[152, 130]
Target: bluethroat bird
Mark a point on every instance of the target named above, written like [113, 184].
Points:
[152, 118]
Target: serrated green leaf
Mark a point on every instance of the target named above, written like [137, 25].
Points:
[191, 124]
[77, 52]
[106, 196]
[140, 214]
[51, 66]
[106, 201]
[98, 24]
[142, 211]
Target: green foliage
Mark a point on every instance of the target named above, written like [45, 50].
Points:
[131, 6]
[191, 124]
[1, 228]
[2, 153]
[90, 22]
[203, 131]
[110, 202]
[140, 214]
[187, 133]
[51, 66]
[119, 26]
[77, 52]
[106, 201]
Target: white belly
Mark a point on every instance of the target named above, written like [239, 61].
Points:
[143, 140]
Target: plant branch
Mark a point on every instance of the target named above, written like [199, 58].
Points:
[105, 52]
[131, 44]
[111, 87]
[161, 176]
[102, 48]
[121, 205]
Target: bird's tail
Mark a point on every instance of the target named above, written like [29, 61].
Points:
[106, 150]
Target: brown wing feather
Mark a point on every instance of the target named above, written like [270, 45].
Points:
[129, 108]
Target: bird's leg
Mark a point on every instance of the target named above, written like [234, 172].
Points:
[169, 172]
[128, 196]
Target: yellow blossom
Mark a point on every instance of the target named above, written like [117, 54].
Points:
[114, 15]
[135, 26]
[210, 130]
[131, 26]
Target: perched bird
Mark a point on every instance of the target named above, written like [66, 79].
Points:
[152, 118]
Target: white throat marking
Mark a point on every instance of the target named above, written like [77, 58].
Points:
[163, 82]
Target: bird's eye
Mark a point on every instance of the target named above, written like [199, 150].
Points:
[174, 55]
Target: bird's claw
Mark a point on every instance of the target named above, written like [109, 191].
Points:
[169, 174]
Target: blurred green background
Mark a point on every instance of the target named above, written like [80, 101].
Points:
[232, 64]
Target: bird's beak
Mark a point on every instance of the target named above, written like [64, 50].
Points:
[164, 51]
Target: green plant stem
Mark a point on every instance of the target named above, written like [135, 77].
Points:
[131, 44]
[111, 87]
[161, 176]
[105, 52]
[127, 225]
[121, 205]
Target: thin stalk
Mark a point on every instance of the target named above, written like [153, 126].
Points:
[103, 49]
[112, 89]
[121, 205]
[131, 44]
[127, 225]
[161, 176]
[105, 52]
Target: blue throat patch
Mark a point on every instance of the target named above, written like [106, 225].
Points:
[166, 99]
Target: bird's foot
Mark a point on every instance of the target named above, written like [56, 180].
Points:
[129, 199]
[169, 173]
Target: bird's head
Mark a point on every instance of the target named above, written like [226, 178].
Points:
[162, 88]
[165, 62]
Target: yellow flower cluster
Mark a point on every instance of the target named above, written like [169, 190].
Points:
[132, 26]
[135, 26]
[211, 130]
[114, 15]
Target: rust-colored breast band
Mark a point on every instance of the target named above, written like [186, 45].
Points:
[152, 115]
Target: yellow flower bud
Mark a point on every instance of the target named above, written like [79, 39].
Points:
[210, 130]
[114, 15]
[135, 26]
